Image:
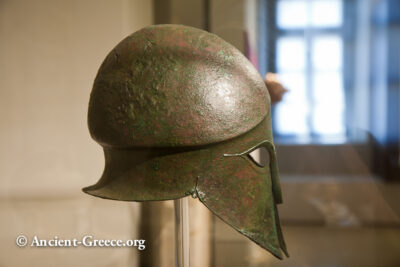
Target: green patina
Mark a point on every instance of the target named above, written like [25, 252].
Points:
[168, 104]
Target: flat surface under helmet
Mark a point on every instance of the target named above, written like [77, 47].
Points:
[172, 85]
[199, 145]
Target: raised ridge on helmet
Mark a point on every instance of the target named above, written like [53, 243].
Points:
[173, 85]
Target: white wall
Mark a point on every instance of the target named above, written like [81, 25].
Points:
[50, 51]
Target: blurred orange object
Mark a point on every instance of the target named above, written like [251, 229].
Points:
[275, 88]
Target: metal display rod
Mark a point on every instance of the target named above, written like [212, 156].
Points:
[181, 232]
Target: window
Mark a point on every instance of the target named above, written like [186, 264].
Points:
[309, 61]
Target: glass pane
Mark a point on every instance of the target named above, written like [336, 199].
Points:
[327, 52]
[328, 89]
[290, 54]
[328, 120]
[291, 118]
[291, 14]
[326, 13]
[327, 116]
[295, 83]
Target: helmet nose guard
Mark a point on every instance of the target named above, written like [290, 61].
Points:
[177, 110]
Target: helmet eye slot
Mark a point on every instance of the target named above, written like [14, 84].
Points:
[259, 156]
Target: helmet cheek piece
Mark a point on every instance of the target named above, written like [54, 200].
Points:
[244, 194]
[272, 165]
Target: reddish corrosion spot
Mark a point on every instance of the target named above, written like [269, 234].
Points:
[182, 43]
[244, 174]
[247, 202]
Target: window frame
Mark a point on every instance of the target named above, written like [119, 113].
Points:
[271, 33]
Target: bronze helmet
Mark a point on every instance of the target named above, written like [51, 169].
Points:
[177, 111]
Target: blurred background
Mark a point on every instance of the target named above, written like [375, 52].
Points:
[336, 131]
